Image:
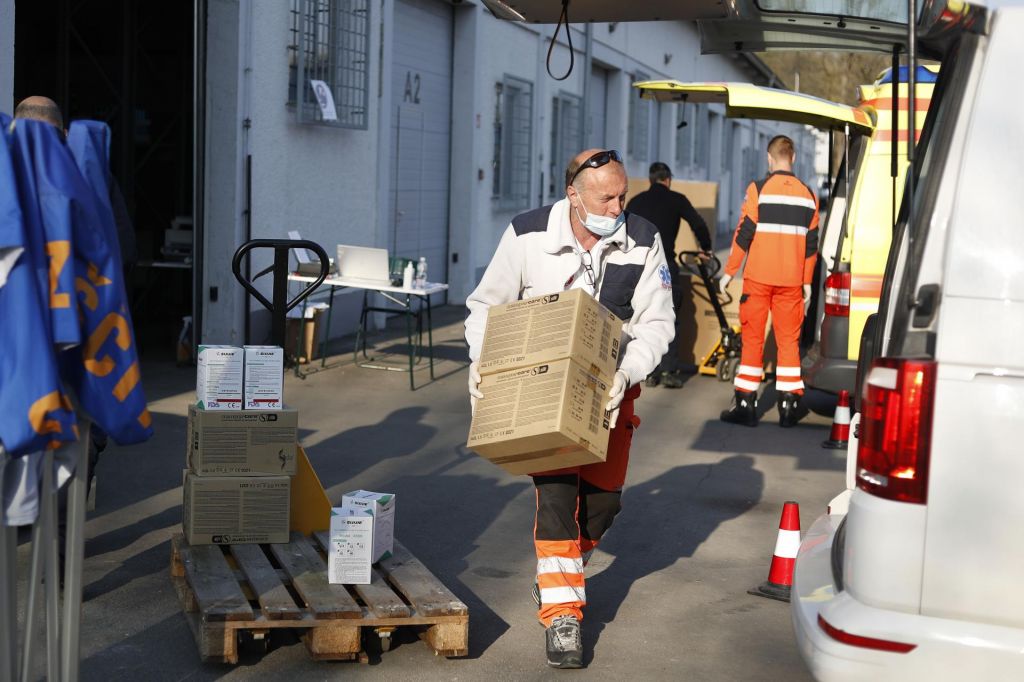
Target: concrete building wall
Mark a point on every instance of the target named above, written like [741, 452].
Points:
[222, 312]
[320, 181]
[659, 50]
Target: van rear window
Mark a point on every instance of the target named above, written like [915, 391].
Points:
[872, 10]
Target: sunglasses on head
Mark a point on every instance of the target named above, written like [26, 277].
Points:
[596, 161]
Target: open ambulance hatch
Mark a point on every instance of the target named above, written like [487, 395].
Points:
[745, 100]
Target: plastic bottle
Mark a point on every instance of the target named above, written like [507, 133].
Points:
[421, 273]
[407, 276]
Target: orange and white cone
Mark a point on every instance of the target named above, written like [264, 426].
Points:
[780, 575]
[840, 435]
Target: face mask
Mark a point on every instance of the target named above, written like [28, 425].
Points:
[601, 225]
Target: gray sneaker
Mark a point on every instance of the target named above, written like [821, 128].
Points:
[564, 643]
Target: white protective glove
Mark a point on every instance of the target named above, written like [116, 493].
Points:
[724, 282]
[619, 386]
[807, 296]
[474, 386]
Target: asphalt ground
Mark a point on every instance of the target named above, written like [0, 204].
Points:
[667, 587]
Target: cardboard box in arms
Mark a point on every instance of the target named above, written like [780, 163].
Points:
[539, 418]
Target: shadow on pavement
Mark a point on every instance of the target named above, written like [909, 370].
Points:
[137, 565]
[687, 503]
[429, 506]
[136, 658]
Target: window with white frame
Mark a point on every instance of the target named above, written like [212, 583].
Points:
[566, 138]
[328, 62]
[513, 134]
[638, 145]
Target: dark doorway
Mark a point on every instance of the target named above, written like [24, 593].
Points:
[129, 64]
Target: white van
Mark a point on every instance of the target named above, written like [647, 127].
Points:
[921, 578]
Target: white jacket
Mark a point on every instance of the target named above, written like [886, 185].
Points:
[539, 254]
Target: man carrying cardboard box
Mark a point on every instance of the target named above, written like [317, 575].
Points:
[586, 241]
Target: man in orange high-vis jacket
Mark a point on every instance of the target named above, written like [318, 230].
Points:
[778, 235]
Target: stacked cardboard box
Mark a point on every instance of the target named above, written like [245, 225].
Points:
[546, 364]
[240, 461]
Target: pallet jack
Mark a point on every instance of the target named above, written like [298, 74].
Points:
[724, 357]
[310, 506]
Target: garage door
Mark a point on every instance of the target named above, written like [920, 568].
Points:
[421, 132]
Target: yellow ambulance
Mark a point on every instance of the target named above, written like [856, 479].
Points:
[855, 233]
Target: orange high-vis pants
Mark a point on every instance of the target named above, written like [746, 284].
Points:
[786, 305]
[575, 507]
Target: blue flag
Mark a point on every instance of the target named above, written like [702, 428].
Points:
[105, 371]
[34, 412]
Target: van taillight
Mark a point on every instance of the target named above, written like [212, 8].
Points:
[837, 294]
[895, 429]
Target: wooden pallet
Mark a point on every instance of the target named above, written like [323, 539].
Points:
[234, 591]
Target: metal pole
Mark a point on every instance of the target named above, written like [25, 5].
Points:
[48, 511]
[8, 602]
[846, 175]
[911, 129]
[894, 163]
[74, 554]
[198, 166]
[34, 574]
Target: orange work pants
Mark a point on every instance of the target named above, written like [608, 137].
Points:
[575, 507]
[786, 305]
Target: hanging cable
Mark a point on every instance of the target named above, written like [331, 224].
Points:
[563, 20]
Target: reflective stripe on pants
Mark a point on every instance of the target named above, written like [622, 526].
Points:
[575, 507]
[786, 305]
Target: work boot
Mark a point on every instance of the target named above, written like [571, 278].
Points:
[743, 409]
[791, 409]
[671, 380]
[564, 643]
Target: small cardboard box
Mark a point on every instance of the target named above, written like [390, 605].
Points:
[302, 336]
[381, 506]
[264, 378]
[219, 378]
[233, 510]
[568, 324]
[539, 418]
[351, 546]
[248, 443]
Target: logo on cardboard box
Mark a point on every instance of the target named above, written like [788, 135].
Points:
[550, 298]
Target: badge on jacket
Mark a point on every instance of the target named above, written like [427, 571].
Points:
[666, 277]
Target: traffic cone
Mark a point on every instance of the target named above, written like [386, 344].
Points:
[840, 435]
[780, 575]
